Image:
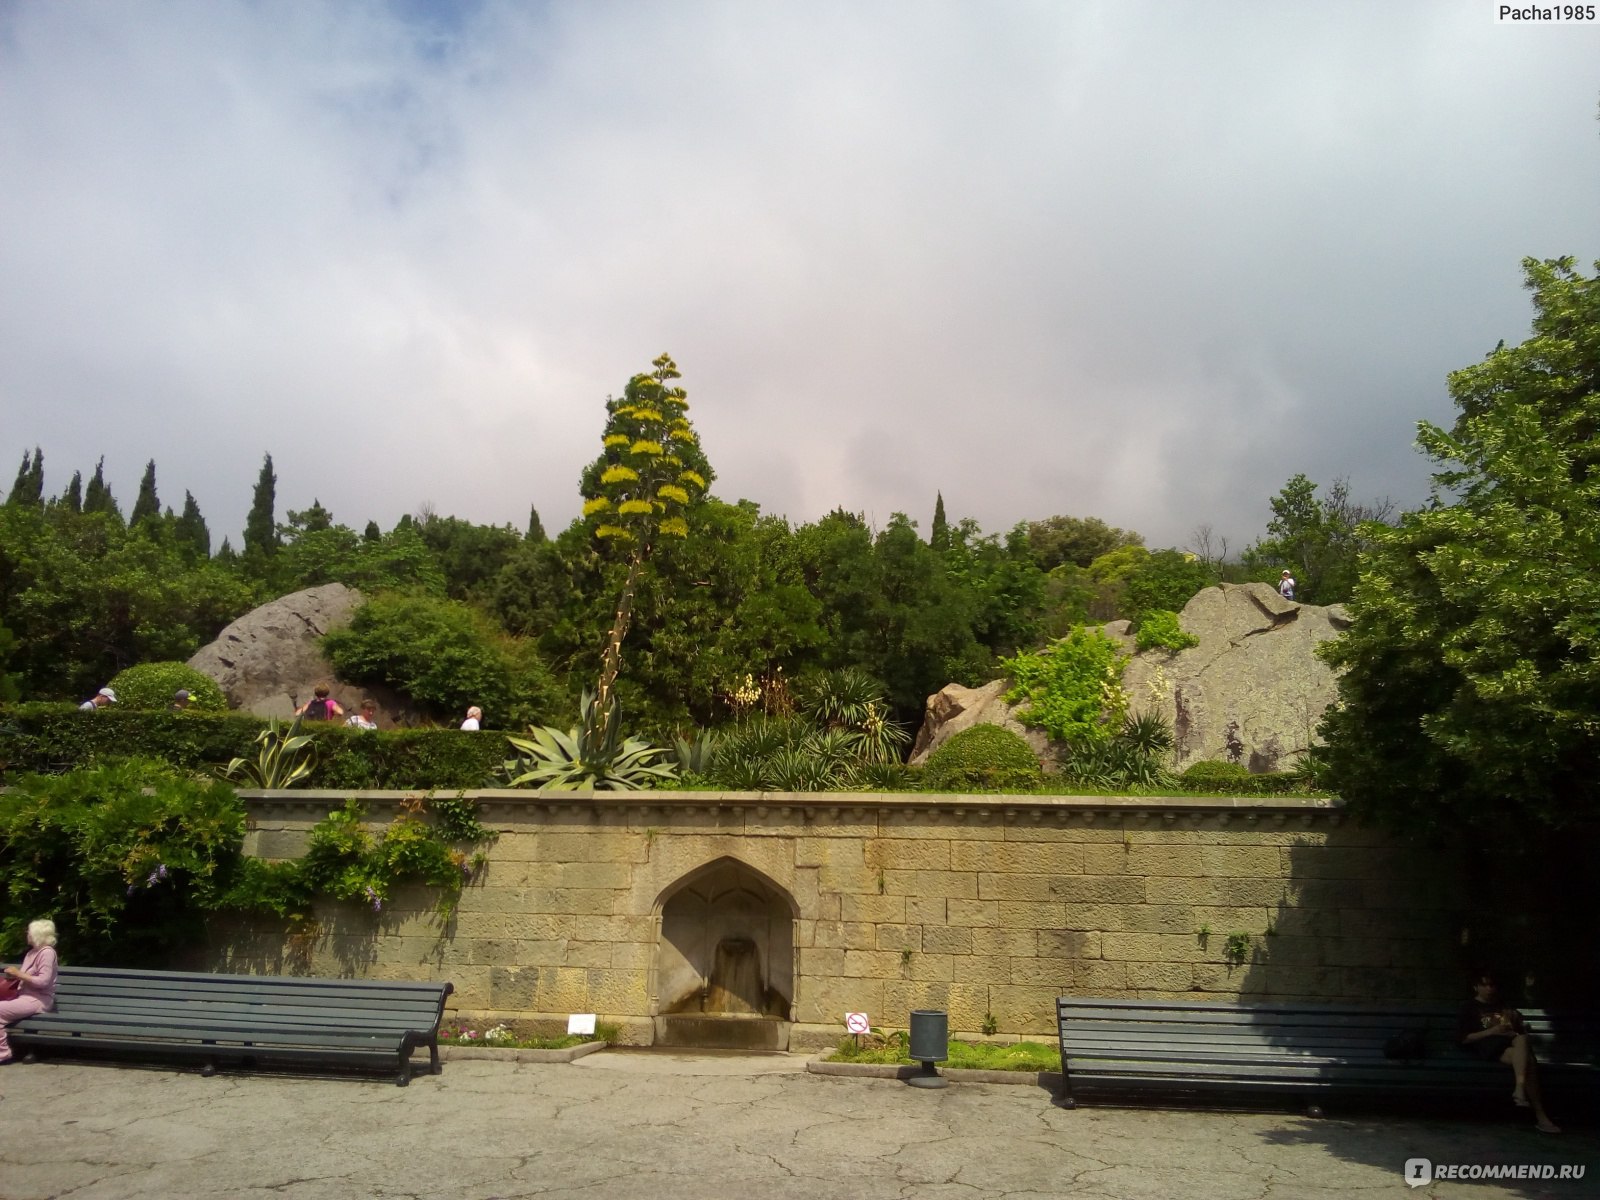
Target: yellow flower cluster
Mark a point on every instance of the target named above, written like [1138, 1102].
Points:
[645, 447]
[675, 527]
[671, 491]
[618, 474]
[597, 505]
[635, 507]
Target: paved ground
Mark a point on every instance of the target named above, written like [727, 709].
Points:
[662, 1126]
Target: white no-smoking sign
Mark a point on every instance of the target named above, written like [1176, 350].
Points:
[857, 1022]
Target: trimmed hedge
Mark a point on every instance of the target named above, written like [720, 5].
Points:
[51, 738]
[1235, 779]
[983, 758]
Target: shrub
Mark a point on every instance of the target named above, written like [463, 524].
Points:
[1073, 689]
[124, 858]
[152, 685]
[983, 758]
[1235, 779]
[445, 655]
[1161, 628]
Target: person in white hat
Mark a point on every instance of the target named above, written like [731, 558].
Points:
[100, 699]
[1286, 585]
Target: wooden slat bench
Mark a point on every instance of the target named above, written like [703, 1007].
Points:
[1297, 1053]
[248, 1019]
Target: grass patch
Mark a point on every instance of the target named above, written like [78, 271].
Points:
[978, 1056]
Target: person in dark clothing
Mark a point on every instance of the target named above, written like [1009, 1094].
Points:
[1494, 1032]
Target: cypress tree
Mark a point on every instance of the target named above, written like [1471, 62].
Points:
[225, 553]
[372, 533]
[147, 507]
[260, 528]
[193, 536]
[17, 497]
[36, 479]
[97, 497]
[535, 527]
[72, 498]
[939, 535]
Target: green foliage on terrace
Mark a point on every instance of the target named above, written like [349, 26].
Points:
[152, 685]
[130, 858]
[985, 758]
[445, 655]
[1072, 689]
[52, 738]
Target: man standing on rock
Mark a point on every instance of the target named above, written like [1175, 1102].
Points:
[1286, 585]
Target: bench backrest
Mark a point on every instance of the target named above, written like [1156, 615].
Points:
[96, 990]
[1096, 1026]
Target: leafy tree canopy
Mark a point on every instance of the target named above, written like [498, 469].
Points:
[1471, 686]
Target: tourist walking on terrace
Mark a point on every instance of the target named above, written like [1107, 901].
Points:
[474, 718]
[367, 718]
[35, 979]
[321, 707]
[1495, 1033]
[100, 699]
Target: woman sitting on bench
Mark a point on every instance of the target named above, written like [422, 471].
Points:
[35, 979]
[1494, 1032]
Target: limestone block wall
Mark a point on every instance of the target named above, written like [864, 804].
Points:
[986, 907]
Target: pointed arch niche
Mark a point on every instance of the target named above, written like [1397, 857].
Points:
[725, 958]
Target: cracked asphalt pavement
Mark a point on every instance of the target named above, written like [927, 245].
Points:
[662, 1126]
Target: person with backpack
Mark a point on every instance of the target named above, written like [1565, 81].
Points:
[1286, 586]
[321, 707]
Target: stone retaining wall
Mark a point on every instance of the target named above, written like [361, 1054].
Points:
[986, 907]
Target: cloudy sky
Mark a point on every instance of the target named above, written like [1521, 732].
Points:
[1142, 261]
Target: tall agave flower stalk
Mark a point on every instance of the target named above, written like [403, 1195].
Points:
[651, 468]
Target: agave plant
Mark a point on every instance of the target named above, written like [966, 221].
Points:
[591, 754]
[284, 757]
[696, 755]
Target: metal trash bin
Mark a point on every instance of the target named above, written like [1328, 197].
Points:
[930, 1043]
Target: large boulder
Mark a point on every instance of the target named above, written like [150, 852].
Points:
[269, 660]
[1251, 692]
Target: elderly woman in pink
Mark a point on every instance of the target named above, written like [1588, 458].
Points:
[36, 978]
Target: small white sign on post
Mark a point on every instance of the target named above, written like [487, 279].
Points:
[582, 1023]
[857, 1023]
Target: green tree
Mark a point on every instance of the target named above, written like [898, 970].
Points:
[650, 470]
[535, 527]
[470, 555]
[1471, 673]
[260, 526]
[193, 538]
[1079, 540]
[72, 498]
[1165, 581]
[939, 535]
[1318, 540]
[28, 490]
[97, 497]
[445, 655]
[372, 533]
[147, 507]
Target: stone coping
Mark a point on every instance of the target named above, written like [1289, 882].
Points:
[519, 1054]
[823, 1064]
[507, 801]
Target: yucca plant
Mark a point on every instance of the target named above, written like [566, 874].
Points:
[591, 754]
[284, 757]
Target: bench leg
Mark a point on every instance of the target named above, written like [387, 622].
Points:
[208, 1068]
[1314, 1111]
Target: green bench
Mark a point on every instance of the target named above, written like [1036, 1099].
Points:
[248, 1020]
[1216, 1053]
